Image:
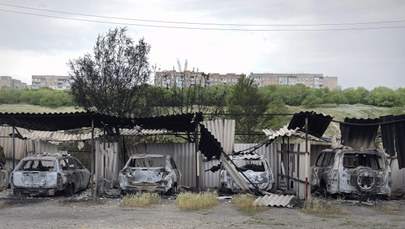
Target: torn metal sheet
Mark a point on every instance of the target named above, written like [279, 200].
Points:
[284, 131]
[350, 171]
[151, 173]
[274, 200]
[317, 123]
[359, 133]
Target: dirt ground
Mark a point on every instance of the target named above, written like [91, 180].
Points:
[81, 211]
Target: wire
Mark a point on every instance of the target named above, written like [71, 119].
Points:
[207, 28]
[203, 23]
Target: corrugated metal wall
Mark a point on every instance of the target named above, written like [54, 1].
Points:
[22, 147]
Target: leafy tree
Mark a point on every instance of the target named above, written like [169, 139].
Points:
[113, 80]
[247, 106]
[384, 97]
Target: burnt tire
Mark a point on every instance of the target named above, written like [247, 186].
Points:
[69, 190]
[365, 179]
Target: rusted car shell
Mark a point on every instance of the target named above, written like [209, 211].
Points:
[150, 173]
[351, 171]
[4, 177]
[256, 168]
[57, 174]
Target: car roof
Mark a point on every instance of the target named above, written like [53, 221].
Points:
[149, 155]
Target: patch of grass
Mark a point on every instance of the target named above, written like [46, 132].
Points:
[194, 201]
[321, 207]
[2, 205]
[140, 200]
[387, 207]
[244, 203]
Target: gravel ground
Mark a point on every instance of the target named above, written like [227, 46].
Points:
[81, 211]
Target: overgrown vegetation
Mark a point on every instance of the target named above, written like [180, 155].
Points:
[2, 205]
[244, 203]
[196, 201]
[140, 199]
[387, 207]
[321, 207]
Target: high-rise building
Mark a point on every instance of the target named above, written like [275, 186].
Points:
[309, 80]
[8, 81]
[187, 78]
[51, 81]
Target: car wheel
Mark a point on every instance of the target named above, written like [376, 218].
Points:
[365, 181]
[70, 190]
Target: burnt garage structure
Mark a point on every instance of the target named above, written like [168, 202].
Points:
[288, 160]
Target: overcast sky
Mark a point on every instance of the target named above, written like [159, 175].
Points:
[361, 42]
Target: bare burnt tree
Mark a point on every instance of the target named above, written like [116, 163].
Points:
[113, 79]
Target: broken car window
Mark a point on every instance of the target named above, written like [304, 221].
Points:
[37, 165]
[148, 162]
[244, 165]
[352, 160]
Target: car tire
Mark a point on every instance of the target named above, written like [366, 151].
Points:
[365, 179]
[69, 191]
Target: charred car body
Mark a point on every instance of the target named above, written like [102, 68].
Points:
[49, 174]
[254, 167]
[150, 173]
[4, 177]
[350, 171]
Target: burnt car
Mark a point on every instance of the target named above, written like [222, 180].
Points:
[4, 177]
[255, 167]
[49, 174]
[149, 173]
[352, 172]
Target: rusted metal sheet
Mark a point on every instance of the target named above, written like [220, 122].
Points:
[274, 200]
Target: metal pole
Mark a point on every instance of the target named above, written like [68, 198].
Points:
[197, 160]
[13, 133]
[93, 164]
[306, 158]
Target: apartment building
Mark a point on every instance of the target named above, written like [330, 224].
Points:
[187, 78]
[309, 80]
[51, 81]
[8, 81]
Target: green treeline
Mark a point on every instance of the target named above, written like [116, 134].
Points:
[298, 95]
[41, 97]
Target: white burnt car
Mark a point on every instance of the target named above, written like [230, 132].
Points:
[4, 177]
[150, 173]
[49, 174]
[350, 171]
[255, 167]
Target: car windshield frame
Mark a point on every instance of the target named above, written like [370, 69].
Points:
[354, 160]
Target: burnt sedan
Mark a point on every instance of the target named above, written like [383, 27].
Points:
[49, 174]
[354, 172]
[149, 173]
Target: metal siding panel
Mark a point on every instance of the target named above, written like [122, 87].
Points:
[398, 177]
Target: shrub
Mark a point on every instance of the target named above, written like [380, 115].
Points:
[244, 203]
[321, 207]
[140, 200]
[193, 201]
